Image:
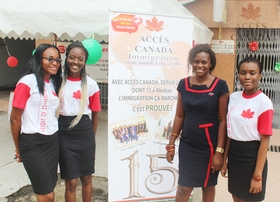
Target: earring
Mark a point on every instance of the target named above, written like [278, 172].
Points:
[238, 86]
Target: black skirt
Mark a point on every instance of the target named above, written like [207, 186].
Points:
[195, 166]
[39, 154]
[242, 159]
[77, 147]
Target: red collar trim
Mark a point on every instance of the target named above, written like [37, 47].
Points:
[212, 86]
[251, 96]
[74, 79]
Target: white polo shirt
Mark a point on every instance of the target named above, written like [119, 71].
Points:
[249, 116]
[38, 110]
[71, 97]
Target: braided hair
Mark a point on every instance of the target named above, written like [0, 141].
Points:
[76, 44]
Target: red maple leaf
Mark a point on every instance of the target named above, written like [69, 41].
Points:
[247, 114]
[154, 24]
[54, 93]
[77, 95]
[250, 12]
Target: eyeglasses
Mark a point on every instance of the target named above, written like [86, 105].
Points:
[51, 59]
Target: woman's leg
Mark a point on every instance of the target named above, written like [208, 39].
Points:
[46, 197]
[70, 190]
[236, 199]
[86, 188]
[183, 193]
[208, 194]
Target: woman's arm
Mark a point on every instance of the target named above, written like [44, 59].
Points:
[256, 182]
[94, 120]
[217, 161]
[15, 124]
[224, 168]
[176, 129]
[262, 155]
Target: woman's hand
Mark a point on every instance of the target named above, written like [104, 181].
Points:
[17, 156]
[224, 170]
[217, 162]
[170, 156]
[256, 186]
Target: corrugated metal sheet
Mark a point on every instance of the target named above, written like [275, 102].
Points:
[103, 95]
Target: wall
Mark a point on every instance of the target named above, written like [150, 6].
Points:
[22, 50]
[225, 62]
[240, 14]
[40, 41]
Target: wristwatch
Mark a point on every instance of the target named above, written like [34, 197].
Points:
[220, 150]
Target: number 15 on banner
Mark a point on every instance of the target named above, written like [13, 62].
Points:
[157, 175]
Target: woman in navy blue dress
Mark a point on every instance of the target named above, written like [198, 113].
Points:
[201, 117]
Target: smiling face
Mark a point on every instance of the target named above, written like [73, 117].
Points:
[76, 61]
[201, 64]
[50, 67]
[249, 77]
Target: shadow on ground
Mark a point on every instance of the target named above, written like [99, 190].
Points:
[99, 192]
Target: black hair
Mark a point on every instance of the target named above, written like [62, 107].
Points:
[250, 59]
[202, 48]
[83, 103]
[75, 44]
[34, 66]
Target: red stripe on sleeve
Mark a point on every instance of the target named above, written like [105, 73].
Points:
[21, 95]
[265, 123]
[94, 102]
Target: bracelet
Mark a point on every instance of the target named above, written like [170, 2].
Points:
[220, 150]
[257, 179]
[169, 150]
[174, 134]
[170, 147]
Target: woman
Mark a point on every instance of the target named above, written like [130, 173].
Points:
[33, 122]
[249, 127]
[201, 115]
[79, 100]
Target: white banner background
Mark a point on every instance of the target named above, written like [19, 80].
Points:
[147, 58]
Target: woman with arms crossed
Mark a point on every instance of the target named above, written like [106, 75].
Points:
[201, 115]
[33, 122]
[249, 127]
[79, 100]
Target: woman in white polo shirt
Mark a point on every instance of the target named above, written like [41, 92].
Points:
[78, 117]
[249, 127]
[33, 122]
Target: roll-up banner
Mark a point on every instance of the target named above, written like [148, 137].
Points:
[147, 58]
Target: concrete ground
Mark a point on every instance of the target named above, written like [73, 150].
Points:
[14, 183]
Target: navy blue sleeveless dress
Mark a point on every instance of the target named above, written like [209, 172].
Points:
[199, 132]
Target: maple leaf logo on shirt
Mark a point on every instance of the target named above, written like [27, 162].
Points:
[77, 95]
[154, 24]
[247, 114]
[250, 12]
[54, 93]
